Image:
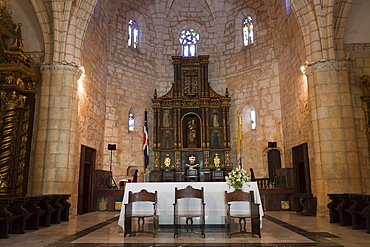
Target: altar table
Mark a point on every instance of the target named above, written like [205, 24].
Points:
[214, 197]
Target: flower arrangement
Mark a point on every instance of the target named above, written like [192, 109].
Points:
[237, 178]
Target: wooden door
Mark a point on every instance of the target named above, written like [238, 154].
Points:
[302, 180]
[87, 172]
[274, 163]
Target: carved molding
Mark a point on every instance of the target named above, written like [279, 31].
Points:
[61, 69]
[327, 65]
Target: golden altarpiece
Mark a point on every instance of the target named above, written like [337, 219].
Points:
[191, 125]
[17, 97]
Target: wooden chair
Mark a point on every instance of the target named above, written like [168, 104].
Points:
[142, 196]
[252, 212]
[168, 175]
[192, 174]
[181, 211]
[218, 175]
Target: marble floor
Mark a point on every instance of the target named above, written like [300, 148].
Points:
[280, 228]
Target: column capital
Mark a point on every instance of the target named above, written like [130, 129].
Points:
[326, 65]
[61, 69]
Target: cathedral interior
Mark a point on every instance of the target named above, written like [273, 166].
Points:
[280, 88]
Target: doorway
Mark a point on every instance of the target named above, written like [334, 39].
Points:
[274, 165]
[87, 173]
[302, 180]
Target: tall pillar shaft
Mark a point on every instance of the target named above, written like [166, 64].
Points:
[335, 167]
[54, 166]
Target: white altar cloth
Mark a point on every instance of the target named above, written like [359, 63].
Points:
[214, 197]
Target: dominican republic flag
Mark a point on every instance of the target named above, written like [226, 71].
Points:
[146, 140]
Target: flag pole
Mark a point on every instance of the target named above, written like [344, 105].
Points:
[146, 140]
[239, 142]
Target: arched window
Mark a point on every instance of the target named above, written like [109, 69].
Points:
[133, 34]
[249, 118]
[253, 119]
[189, 39]
[248, 33]
[131, 122]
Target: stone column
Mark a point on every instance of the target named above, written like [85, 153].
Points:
[54, 168]
[335, 164]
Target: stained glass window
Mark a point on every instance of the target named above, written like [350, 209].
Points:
[131, 122]
[248, 32]
[133, 33]
[253, 120]
[189, 39]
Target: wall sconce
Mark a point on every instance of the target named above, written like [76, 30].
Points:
[304, 69]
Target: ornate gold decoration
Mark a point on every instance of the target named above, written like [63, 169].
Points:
[167, 161]
[227, 158]
[365, 84]
[190, 101]
[17, 89]
[156, 159]
[216, 160]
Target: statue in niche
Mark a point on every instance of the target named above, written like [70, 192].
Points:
[192, 132]
[216, 139]
[167, 139]
[166, 119]
[215, 119]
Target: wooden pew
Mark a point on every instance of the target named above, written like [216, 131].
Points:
[32, 221]
[64, 215]
[366, 212]
[343, 209]
[56, 209]
[358, 222]
[17, 222]
[46, 209]
[5, 216]
[332, 205]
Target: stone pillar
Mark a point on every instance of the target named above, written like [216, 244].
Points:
[335, 164]
[54, 168]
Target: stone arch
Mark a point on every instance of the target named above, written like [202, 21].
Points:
[71, 18]
[341, 10]
[306, 18]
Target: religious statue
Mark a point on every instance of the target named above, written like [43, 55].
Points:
[215, 120]
[192, 131]
[167, 139]
[216, 139]
[166, 119]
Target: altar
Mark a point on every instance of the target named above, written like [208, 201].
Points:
[214, 198]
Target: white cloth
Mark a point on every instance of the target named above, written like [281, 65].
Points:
[214, 196]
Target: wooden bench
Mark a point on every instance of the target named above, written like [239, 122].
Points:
[32, 221]
[64, 215]
[18, 214]
[56, 209]
[17, 222]
[365, 213]
[350, 210]
[356, 210]
[5, 216]
[332, 205]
